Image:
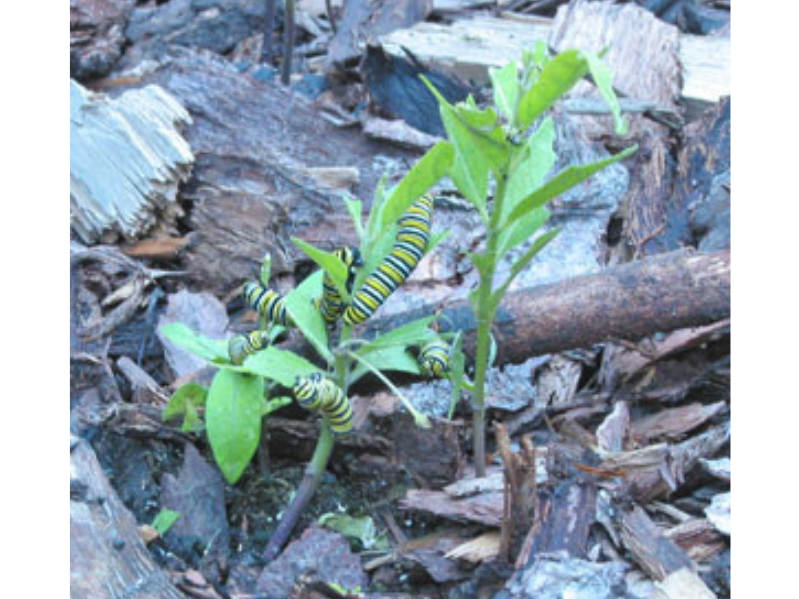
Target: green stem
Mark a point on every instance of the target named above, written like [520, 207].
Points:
[485, 317]
[313, 472]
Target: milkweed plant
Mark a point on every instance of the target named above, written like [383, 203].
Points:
[498, 157]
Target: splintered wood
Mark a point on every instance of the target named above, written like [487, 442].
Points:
[126, 161]
[519, 493]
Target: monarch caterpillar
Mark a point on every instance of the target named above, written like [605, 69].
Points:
[398, 265]
[331, 305]
[314, 392]
[267, 303]
[241, 346]
[434, 359]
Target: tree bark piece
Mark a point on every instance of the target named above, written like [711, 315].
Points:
[520, 491]
[657, 555]
[108, 558]
[631, 301]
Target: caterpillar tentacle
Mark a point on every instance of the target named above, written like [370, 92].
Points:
[393, 271]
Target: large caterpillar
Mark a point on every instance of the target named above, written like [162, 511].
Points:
[331, 304]
[315, 392]
[241, 346]
[392, 272]
[267, 303]
[434, 359]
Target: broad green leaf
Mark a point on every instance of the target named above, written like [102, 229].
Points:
[394, 358]
[182, 336]
[355, 208]
[428, 171]
[233, 420]
[416, 332]
[278, 365]
[192, 394]
[603, 79]
[520, 230]
[374, 252]
[328, 262]
[520, 265]
[191, 420]
[482, 262]
[299, 303]
[563, 182]
[164, 521]
[537, 158]
[505, 82]
[557, 77]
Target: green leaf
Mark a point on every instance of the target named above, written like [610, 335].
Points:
[191, 420]
[394, 358]
[192, 394]
[557, 77]
[308, 320]
[520, 230]
[603, 79]
[372, 223]
[164, 521]
[328, 262]
[278, 365]
[520, 265]
[537, 157]
[275, 404]
[416, 332]
[457, 371]
[564, 181]
[233, 420]
[182, 336]
[361, 529]
[266, 269]
[471, 180]
[355, 208]
[428, 171]
[505, 82]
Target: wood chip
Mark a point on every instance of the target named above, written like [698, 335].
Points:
[682, 584]
[485, 508]
[480, 549]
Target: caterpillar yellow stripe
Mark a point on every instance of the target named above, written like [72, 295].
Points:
[317, 393]
[331, 304]
[434, 359]
[246, 344]
[393, 271]
[269, 304]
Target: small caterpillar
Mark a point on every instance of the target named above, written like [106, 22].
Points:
[246, 344]
[314, 392]
[267, 303]
[392, 272]
[331, 304]
[434, 359]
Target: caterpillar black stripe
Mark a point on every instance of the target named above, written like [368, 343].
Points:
[246, 344]
[392, 272]
[269, 304]
[434, 359]
[331, 304]
[315, 392]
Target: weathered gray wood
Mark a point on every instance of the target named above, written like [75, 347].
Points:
[108, 558]
[127, 158]
[470, 46]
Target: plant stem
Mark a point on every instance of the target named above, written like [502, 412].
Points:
[288, 41]
[485, 317]
[305, 492]
[313, 472]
